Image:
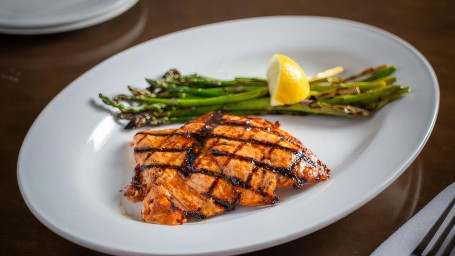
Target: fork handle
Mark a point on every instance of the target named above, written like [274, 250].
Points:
[428, 237]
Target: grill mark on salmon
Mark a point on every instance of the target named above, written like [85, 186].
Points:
[268, 129]
[145, 133]
[233, 180]
[258, 142]
[251, 140]
[139, 141]
[150, 149]
[226, 178]
[227, 206]
[255, 169]
[145, 159]
[212, 186]
[189, 160]
[185, 170]
[195, 214]
[278, 170]
[250, 176]
[223, 167]
[207, 129]
[146, 167]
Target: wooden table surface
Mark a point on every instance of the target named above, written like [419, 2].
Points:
[34, 69]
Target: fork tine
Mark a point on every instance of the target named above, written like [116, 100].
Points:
[428, 237]
[441, 238]
[450, 246]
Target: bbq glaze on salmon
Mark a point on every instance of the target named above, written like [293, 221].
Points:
[214, 163]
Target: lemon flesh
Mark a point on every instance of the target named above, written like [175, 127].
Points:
[287, 82]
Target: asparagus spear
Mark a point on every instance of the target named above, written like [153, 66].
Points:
[202, 102]
[132, 109]
[388, 98]
[365, 72]
[210, 92]
[263, 105]
[199, 81]
[150, 120]
[371, 96]
[204, 82]
[380, 74]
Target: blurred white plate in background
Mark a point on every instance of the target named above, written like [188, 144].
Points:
[27, 17]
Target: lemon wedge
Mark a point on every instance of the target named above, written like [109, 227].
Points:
[288, 83]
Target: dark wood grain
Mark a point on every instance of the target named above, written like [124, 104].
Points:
[34, 69]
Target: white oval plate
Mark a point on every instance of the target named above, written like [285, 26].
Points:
[76, 158]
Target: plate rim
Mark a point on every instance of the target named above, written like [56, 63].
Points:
[289, 237]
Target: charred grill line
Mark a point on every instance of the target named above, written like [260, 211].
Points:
[236, 183]
[142, 168]
[205, 132]
[135, 181]
[255, 169]
[158, 134]
[139, 141]
[212, 187]
[268, 129]
[278, 142]
[246, 124]
[225, 204]
[240, 146]
[215, 118]
[201, 135]
[149, 149]
[250, 175]
[195, 214]
[196, 163]
[188, 162]
[209, 173]
[294, 163]
[173, 207]
[293, 141]
[161, 166]
[162, 134]
[299, 154]
[252, 141]
[147, 157]
[281, 170]
[222, 203]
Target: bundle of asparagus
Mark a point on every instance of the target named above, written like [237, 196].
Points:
[178, 98]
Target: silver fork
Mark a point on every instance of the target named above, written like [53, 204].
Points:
[440, 240]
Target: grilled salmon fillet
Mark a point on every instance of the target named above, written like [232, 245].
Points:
[214, 163]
